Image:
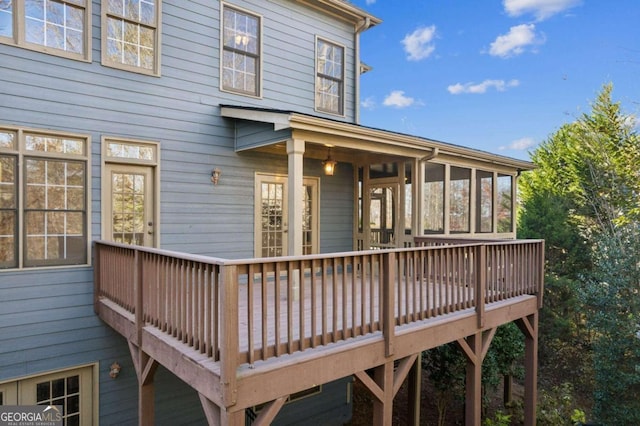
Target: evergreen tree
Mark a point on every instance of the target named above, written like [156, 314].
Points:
[583, 199]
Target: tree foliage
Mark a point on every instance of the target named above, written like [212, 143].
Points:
[446, 367]
[583, 200]
[611, 296]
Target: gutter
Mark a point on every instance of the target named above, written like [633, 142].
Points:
[360, 28]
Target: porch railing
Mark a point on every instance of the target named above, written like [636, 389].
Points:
[244, 311]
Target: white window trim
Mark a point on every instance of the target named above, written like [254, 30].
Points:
[343, 108]
[259, 80]
[21, 152]
[19, 39]
[155, 71]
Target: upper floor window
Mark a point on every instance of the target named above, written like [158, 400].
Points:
[130, 33]
[240, 61]
[329, 77]
[60, 27]
[43, 204]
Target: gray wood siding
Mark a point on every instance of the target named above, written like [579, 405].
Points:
[254, 135]
[46, 316]
[332, 406]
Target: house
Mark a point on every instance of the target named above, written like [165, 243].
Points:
[160, 159]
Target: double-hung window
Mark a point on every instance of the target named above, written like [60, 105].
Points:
[241, 44]
[130, 35]
[329, 77]
[60, 27]
[43, 203]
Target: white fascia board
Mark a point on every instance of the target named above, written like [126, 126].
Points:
[280, 120]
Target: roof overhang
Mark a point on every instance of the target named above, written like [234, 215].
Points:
[334, 133]
[345, 11]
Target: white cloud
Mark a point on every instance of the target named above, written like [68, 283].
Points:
[514, 42]
[370, 2]
[397, 99]
[541, 9]
[499, 85]
[520, 144]
[418, 44]
[368, 103]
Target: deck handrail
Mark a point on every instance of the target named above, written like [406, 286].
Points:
[238, 311]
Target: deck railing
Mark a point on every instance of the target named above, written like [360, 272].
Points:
[244, 311]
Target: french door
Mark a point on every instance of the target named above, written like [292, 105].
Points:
[129, 210]
[272, 212]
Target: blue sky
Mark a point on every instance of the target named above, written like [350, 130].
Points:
[496, 75]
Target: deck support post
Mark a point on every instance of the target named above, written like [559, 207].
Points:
[529, 327]
[415, 391]
[145, 367]
[269, 412]
[473, 391]
[386, 382]
[219, 417]
[475, 347]
[383, 407]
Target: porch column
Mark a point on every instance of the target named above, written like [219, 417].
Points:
[295, 152]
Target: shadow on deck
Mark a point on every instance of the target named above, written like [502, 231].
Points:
[254, 331]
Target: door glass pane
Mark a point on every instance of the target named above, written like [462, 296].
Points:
[272, 218]
[307, 220]
[63, 391]
[128, 207]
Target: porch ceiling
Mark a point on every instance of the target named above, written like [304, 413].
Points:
[349, 140]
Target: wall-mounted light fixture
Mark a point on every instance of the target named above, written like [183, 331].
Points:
[114, 370]
[329, 165]
[215, 175]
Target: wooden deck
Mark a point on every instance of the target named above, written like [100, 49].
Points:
[239, 331]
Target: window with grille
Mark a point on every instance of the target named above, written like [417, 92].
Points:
[329, 77]
[43, 205]
[240, 59]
